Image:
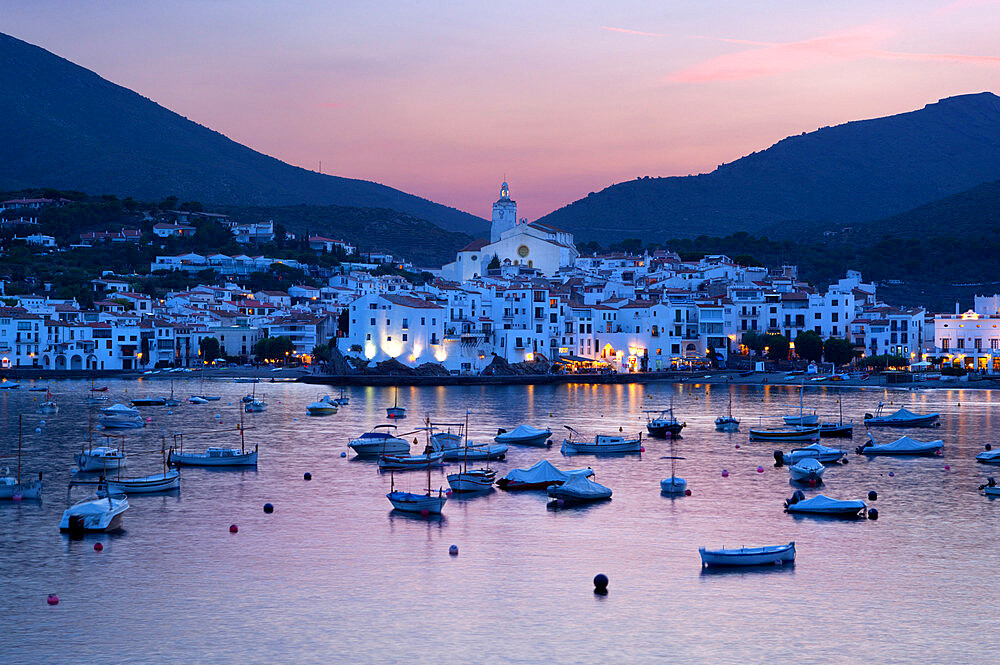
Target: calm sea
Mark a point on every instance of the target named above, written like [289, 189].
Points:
[334, 576]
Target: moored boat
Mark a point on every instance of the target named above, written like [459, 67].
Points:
[95, 514]
[402, 462]
[901, 446]
[579, 489]
[727, 423]
[476, 451]
[748, 556]
[901, 418]
[664, 424]
[524, 435]
[824, 505]
[149, 401]
[92, 459]
[807, 469]
[213, 456]
[990, 488]
[989, 457]
[155, 482]
[824, 454]
[255, 406]
[323, 406]
[603, 444]
[118, 409]
[789, 433]
[123, 422]
[539, 475]
[381, 440]
[395, 411]
[471, 480]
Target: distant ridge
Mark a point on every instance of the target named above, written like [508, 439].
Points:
[855, 172]
[65, 127]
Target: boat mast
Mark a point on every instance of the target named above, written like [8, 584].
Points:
[465, 465]
[20, 417]
[427, 453]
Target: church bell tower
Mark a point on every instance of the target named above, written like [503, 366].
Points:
[504, 214]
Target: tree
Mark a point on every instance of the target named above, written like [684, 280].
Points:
[210, 349]
[809, 345]
[754, 341]
[274, 348]
[777, 346]
[494, 263]
[321, 353]
[837, 350]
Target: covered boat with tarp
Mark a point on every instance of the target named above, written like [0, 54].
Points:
[540, 475]
[904, 445]
[579, 489]
[901, 418]
[524, 435]
[824, 505]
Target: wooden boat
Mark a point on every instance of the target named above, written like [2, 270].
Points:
[727, 423]
[824, 505]
[790, 433]
[839, 429]
[395, 411]
[603, 444]
[903, 446]
[475, 480]
[476, 451]
[579, 489]
[524, 435]
[379, 441]
[155, 482]
[402, 462]
[214, 455]
[424, 504]
[749, 556]
[256, 406]
[541, 475]
[343, 400]
[811, 419]
[901, 418]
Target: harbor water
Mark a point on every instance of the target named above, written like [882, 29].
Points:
[334, 575]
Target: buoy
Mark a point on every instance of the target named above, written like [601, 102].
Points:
[425, 512]
[760, 469]
[307, 476]
[642, 449]
[845, 461]
[725, 474]
[52, 599]
[40, 422]
[268, 508]
[149, 419]
[170, 413]
[812, 482]
[687, 492]
[98, 547]
[989, 447]
[873, 496]
[295, 419]
[947, 467]
[453, 550]
[38, 430]
[218, 415]
[873, 514]
[229, 404]
[737, 446]
[938, 453]
[601, 583]
[233, 528]
[892, 473]
[343, 454]
[447, 492]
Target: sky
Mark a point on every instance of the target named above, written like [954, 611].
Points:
[447, 99]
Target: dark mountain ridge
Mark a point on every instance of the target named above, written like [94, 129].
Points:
[65, 127]
[858, 171]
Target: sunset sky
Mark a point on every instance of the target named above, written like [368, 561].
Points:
[444, 100]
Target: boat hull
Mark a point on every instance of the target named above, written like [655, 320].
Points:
[836, 431]
[748, 556]
[157, 482]
[204, 459]
[673, 485]
[471, 481]
[321, 410]
[784, 435]
[476, 453]
[672, 430]
[623, 447]
[991, 457]
[537, 441]
[726, 425]
[417, 503]
[93, 463]
[402, 462]
[102, 520]
[922, 421]
[31, 490]
[395, 412]
[374, 449]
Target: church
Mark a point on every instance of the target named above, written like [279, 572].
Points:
[513, 242]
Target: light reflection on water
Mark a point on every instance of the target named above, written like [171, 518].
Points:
[335, 576]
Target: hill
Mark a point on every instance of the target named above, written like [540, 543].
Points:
[66, 127]
[835, 176]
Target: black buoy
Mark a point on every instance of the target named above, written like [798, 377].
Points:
[873, 514]
[779, 459]
[989, 447]
[845, 461]
[307, 476]
[268, 508]
[873, 495]
[601, 584]
[76, 527]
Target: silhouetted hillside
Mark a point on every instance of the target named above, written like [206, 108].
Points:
[828, 178]
[64, 126]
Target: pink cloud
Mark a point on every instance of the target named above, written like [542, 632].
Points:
[633, 32]
[775, 59]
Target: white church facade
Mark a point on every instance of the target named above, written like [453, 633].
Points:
[514, 243]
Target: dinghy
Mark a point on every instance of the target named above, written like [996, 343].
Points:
[901, 418]
[749, 556]
[991, 488]
[790, 433]
[100, 458]
[901, 446]
[664, 424]
[540, 475]
[823, 453]
[578, 489]
[213, 456]
[476, 451]
[807, 469]
[474, 480]
[524, 435]
[149, 401]
[156, 482]
[824, 505]
[402, 462]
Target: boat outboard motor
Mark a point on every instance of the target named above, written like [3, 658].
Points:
[501, 431]
[868, 416]
[76, 527]
[779, 459]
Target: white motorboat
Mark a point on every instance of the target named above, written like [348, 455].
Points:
[749, 556]
[197, 399]
[155, 482]
[380, 441]
[824, 505]
[823, 453]
[96, 513]
[901, 446]
[474, 480]
[539, 475]
[100, 458]
[213, 456]
[807, 469]
[524, 435]
[9, 385]
[602, 444]
[476, 451]
[323, 406]
[122, 422]
[579, 489]
[49, 406]
[901, 418]
[119, 410]
[989, 457]
[255, 406]
[446, 439]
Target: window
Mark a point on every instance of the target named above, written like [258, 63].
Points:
[817, 315]
[406, 324]
[979, 343]
[388, 323]
[423, 320]
[388, 338]
[373, 322]
[404, 337]
[835, 317]
[835, 302]
[368, 337]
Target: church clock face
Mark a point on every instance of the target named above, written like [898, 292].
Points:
[522, 251]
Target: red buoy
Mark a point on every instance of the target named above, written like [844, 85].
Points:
[687, 492]
[233, 528]
[52, 599]
[425, 512]
[98, 547]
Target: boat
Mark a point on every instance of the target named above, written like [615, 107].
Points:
[901, 418]
[246, 399]
[602, 443]
[171, 401]
[379, 441]
[149, 401]
[343, 400]
[213, 455]
[39, 389]
[579, 489]
[395, 411]
[197, 399]
[96, 513]
[476, 451]
[824, 505]
[445, 439]
[155, 482]
[664, 424]
[12, 487]
[49, 406]
[323, 406]
[749, 556]
[202, 395]
[9, 385]
[673, 484]
[95, 400]
[93, 458]
[424, 504]
[812, 419]
[540, 475]
[123, 422]
[789, 433]
[256, 406]
[901, 446]
[119, 410]
[990, 488]
[824, 454]
[524, 435]
[727, 423]
[989, 457]
[475, 480]
[402, 462]
[838, 429]
[807, 470]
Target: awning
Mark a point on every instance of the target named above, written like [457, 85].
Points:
[577, 359]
